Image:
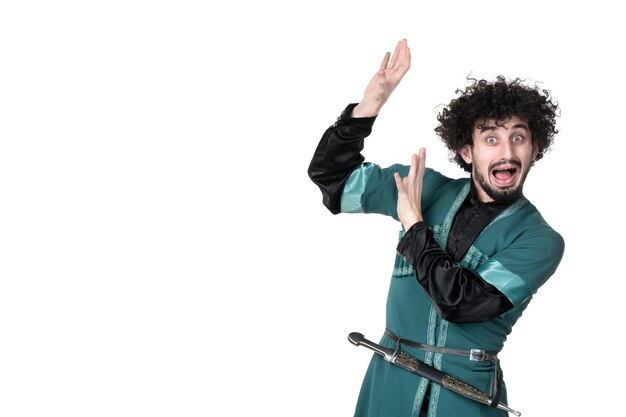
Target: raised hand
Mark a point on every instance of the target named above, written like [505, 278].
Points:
[410, 191]
[382, 84]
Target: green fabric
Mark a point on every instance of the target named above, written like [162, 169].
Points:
[516, 253]
[351, 197]
[511, 285]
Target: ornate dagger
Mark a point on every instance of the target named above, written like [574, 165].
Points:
[411, 364]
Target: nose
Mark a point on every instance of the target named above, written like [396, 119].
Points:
[506, 149]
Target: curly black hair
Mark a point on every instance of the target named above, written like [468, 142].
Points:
[499, 100]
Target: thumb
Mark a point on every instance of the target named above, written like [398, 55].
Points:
[381, 77]
[399, 182]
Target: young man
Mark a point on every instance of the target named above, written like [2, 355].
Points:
[472, 251]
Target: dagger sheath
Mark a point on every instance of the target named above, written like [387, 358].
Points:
[414, 365]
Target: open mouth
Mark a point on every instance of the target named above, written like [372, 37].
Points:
[504, 176]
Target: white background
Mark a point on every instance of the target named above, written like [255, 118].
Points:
[163, 253]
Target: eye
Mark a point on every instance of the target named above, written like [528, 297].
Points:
[491, 140]
[517, 138]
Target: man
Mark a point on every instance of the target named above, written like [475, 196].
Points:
[472, 250]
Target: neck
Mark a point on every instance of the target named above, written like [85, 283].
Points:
[479, 193]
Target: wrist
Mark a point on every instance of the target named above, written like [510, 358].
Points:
[366, 109]
[410, 223]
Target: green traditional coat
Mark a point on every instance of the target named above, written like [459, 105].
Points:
[516, 253]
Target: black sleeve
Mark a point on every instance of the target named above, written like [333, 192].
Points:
[458, 294]
[337, 154]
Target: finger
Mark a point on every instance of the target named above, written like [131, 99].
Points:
[412, 171]
[421, 162]
[420, 169]
[402, 57]
[383, 65]
[396, 53]
[404, 62]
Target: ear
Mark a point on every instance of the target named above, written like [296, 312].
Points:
[535, 151]
[466, 154]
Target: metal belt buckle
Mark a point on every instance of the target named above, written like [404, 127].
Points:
[477, 355]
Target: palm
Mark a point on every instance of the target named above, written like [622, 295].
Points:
[409, 206]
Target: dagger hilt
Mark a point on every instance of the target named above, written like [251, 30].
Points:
[357, 339]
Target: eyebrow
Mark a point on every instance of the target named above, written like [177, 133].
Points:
[484, 128]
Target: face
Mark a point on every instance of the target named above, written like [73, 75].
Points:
[501, 157]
